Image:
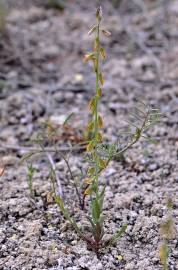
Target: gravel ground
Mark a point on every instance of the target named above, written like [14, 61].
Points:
[42, 76]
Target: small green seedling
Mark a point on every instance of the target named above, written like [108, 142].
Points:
[30, 174]
[167, 232]
[164, 255]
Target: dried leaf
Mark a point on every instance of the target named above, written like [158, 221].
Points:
[93, 29]
[91, 171]
[90, 146]
[92, 104]
[90, 126]
[99, 137]
[88, 191]
[99, 92]
[49, 197]
[88, 181]
[2, 171]
[102, 163]
[103, 53]
[106, 33]
[88, 57]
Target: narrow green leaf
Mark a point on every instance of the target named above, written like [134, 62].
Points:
[95, 211]
[150, 140]
[68, 119]
[101, 199]
[116, 236]
[66, 214]
[164, 254]
[26, 157]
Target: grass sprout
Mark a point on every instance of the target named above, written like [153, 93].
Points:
[167, 232]
[30, 175]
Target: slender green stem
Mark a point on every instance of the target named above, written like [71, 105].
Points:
[97, 80]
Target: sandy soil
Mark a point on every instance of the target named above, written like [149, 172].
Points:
[42, 76]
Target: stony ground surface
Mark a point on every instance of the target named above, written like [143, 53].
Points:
[42, 76]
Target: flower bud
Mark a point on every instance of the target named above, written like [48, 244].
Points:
[99, 13]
